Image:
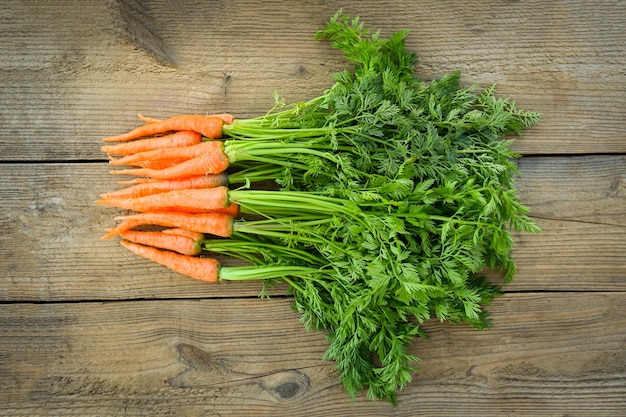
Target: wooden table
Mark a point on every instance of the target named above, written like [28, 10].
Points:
[89, 329]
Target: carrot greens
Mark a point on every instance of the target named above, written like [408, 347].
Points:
[393, 194]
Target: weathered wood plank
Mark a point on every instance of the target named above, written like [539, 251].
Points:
[580, 203]
[66, 84]
[50, 247]
[590, 189]
[548, 354]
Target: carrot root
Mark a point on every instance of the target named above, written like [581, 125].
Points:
[205, 269]
[176, 153]
[175, 242]
[187, 200]
[136, 181]
[209, 126]
[182, 232]
[227, 118]
[207, 163]
[217, 224]
[182, 138]
[142, 187]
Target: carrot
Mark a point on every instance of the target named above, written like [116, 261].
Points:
[205, 269]
[232, 209]
[227, 118]
[156, 186]
[207, 163]
[170, 241]
[157, 164]
[191, 199]
[209, 126]
[183, 232]
[148, 119]
[182, 138]
[136, 181]
[178, 154]
[218, 224]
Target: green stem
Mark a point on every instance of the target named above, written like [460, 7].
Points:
[254, 272]
[279, 203]
[249, 248]
[256, 174]
[278, 153]
[282, 235]
[290, 117]
[285, 223]
[243, 132]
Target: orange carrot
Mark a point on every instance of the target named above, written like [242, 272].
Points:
[188, 200]
[136, 181]
[178, 154]
[227, 118]
[154, 187]
[205, 269]
[148, 119]
[170, 241]
[157, 164]
[207, 163]
[232, 209]
[182, 138]
[209, 126]
[218, 224]
[183, 232]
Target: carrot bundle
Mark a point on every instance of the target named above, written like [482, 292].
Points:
[182, 192]
[381, 221]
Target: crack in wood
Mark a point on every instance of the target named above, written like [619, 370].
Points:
[556, 219]
[143, 30]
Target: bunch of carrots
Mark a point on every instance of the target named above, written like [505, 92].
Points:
[180, 185]
[175, 170]
[393, 195]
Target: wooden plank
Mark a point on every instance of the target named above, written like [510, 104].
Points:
[67, 84]
[548, 354]
[579, 204]
[50, 247]
[588, 189]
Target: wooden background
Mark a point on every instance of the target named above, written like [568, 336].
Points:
[88, 329]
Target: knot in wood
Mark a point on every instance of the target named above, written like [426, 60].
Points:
[287, 384]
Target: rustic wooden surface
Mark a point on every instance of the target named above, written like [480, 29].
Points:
[88, 329]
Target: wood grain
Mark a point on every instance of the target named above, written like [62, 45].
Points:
[70, 84]
[547, 355]
[587, 189]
